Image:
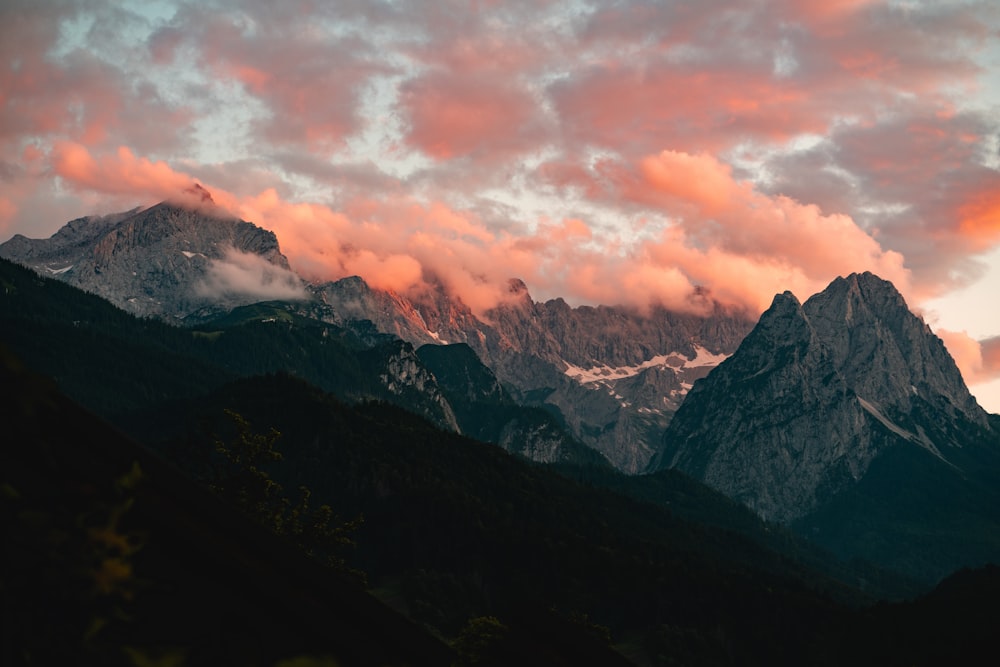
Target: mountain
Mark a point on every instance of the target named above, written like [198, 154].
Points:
[611, 376]
[165, 261]
[846, 418]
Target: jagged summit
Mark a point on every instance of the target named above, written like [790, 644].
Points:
[199, 193]
[814, 394]
[517, 286]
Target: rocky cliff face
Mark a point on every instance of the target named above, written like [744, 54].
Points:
[814, 394]
[486, 411]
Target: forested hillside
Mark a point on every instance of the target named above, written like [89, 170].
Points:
[487, 555]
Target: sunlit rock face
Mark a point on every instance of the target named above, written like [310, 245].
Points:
[814, 394]
[166, 261]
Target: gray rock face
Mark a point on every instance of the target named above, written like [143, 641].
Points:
[814, 394]
[406, 377]
[165, 261]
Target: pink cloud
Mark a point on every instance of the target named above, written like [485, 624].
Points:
[919, 182]
[990, 350]
[979, 216]
[741, 243]
[456, 116]
[709, 76]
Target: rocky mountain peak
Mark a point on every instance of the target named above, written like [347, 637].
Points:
[783, 319]
[199, 194]
[814, 394]
[168, 260]
[517, 287]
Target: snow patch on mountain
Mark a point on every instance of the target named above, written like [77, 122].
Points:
[918, 438]
[673, 360]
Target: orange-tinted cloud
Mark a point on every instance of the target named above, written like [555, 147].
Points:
[117, 173]
[990, 350]
[742, 245]
[79, 97]
[979, 215]
[917, 180]
[725, 235]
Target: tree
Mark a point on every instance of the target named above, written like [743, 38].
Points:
[245, 481]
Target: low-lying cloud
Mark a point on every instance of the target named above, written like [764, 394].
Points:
[247, 275]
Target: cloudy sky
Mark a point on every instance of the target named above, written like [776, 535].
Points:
[605, 152]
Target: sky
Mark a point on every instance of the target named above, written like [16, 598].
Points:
[604, 152]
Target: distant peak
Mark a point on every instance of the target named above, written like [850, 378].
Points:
[784, 301]
[195, 198]
[516, 286]
[199, 193]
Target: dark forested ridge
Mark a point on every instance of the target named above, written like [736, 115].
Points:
[504, 560]
[111, 557]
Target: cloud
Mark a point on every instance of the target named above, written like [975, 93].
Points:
[307, 74]
[722, 233]
[978, 360]
[118, 173]
[457, 116]
[249, 275]
[920, 180]
[78, 95]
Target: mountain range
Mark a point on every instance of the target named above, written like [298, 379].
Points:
[613, 375]
[839, 429]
